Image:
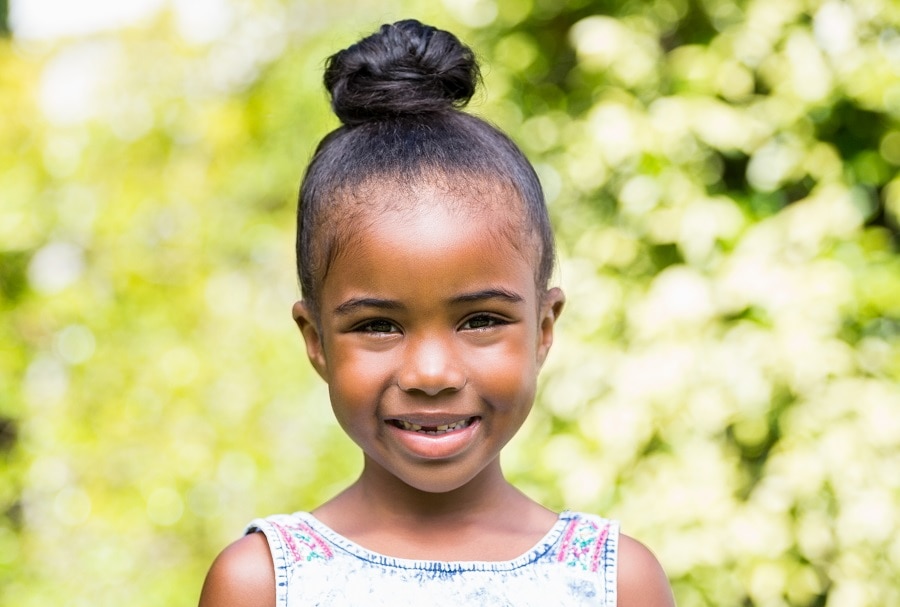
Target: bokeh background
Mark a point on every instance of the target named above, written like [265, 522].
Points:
[723, 177]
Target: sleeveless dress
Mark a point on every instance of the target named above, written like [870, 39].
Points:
[574, 564]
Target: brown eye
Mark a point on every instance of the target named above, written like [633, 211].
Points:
[377, 326]
[482, 321]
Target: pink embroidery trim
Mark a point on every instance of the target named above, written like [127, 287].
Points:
[598, 549]
[310, 547]
[583, 545]
[570, 531]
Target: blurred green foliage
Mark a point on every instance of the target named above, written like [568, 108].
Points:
[723, 176]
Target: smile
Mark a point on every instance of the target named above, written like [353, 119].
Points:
[434, 430]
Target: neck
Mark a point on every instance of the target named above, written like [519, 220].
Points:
[486, 519]
[379, 496]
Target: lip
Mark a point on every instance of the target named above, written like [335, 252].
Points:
[434, 446]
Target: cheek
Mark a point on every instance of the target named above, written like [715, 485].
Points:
[354, 408]
[356, 380]
[509, 374]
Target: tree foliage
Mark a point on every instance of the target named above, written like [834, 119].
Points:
[723, 177]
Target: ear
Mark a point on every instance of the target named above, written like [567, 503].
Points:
[309, 328]
[551, 307]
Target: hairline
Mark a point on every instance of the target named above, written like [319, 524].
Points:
[347, 196]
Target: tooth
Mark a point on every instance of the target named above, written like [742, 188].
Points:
[443, 428]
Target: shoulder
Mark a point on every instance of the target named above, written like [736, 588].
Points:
[241, 576]
[641, 579]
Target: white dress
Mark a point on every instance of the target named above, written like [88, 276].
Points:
[574, 564]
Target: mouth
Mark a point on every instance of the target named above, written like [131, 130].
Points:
[433, 430]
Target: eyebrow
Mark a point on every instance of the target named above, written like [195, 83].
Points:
[355, 303]
[488, 294]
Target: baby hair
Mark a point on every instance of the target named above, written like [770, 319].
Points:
[399, 94]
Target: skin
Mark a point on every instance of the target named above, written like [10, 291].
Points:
[431, 317]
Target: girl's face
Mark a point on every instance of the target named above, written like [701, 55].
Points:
[431, 334]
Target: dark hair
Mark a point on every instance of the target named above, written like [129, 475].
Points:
[398, 94]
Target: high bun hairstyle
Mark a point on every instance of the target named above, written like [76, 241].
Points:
[405, 69]
[399, 94]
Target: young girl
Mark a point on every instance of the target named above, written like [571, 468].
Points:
[424, 251]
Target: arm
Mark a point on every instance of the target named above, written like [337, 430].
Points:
[241, 576]
[641, 579]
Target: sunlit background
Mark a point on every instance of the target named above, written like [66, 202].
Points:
[723, 177]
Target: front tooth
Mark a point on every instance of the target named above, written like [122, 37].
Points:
[438, 429]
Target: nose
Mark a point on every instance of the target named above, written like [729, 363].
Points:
[431, 365]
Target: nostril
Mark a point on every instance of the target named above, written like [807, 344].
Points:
[431, 368]
[431, 388]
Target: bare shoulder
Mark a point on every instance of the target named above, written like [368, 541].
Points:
[641, 579]
[241, 576]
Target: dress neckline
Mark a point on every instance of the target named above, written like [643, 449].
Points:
[546, 543]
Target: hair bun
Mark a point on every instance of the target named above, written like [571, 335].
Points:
[405, 68]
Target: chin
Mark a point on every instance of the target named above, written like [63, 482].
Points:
[437, 482]
[436, 487]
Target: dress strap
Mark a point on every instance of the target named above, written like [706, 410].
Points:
[590, 543]
[291, 541]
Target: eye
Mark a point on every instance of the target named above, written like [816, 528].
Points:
[482, 321]
[377, 326]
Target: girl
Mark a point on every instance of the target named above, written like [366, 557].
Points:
[424, 251]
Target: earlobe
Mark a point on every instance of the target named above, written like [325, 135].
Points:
[551, 307]
[311, 335]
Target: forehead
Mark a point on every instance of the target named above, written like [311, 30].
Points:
[496, 206]
[493, 205]
[431, 240]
